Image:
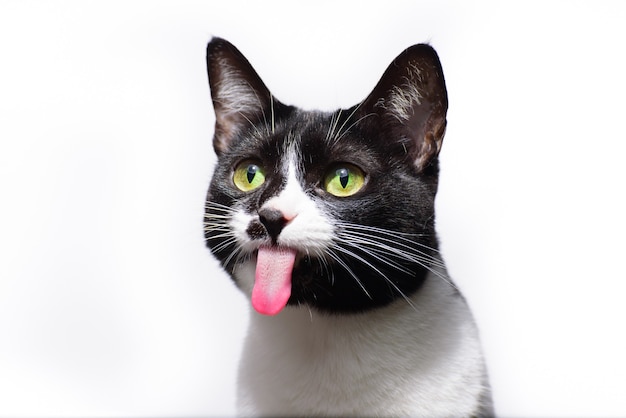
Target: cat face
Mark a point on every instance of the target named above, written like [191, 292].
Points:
[330, 210]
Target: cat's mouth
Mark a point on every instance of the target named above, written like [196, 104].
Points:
[272, 278]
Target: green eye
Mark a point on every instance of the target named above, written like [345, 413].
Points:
[248, 176]
[344, 180]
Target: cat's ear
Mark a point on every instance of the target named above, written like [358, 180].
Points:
[239, 96]
[411, 102]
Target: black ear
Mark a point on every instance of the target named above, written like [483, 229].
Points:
[240, 98]
[411, 102]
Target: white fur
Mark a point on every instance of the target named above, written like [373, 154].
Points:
[416, 359]
[398, 360]
[234, 94]
[402, 99]
[308, 230]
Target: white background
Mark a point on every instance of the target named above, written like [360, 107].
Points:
[109, 302]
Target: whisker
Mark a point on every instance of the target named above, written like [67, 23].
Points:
[378, 246]
[328, 132]
[236, 252]
[218, 206]
[383, 275]
[256, 128]
[442, 276]
[351, 126]
[349, 270]
[225, 234]
[335, 138]
[217, 219]
[216, 225]
[405, 250]
[334, 121]
[379, 254]
[394, 234]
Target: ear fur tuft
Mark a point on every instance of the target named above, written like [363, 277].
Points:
[412, 102]
[239, 96]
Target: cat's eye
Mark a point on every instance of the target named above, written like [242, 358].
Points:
[344, 180]
[248, 176]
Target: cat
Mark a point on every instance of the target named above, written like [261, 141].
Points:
[325, 220]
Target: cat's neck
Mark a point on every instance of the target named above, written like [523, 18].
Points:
[377, 350]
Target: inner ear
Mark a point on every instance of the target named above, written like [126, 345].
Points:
[411, 102]
[240, 98]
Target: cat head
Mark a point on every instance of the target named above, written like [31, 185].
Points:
[333, 210]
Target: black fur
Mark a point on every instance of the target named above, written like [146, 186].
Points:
[398, 156]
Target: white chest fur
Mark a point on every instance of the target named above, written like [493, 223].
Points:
[421, 360]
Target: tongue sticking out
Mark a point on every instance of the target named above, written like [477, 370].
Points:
[272, 281]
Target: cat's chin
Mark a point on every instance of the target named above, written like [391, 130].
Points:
[282, 277]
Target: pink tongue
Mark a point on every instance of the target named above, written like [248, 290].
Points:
[272, 281]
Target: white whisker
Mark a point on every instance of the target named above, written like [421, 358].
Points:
[383, 275]
[391, 248]
[334, 120]
[404, 250]
[395, 235]
[353, 125]
[336, 137]
[349, 270]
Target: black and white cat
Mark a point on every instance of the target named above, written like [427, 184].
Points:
[326, 221]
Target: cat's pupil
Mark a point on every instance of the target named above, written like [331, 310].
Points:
[251, 173]
[344, 176]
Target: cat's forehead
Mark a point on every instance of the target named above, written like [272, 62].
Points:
[314, 133]
[300, 130]
[311, 140]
